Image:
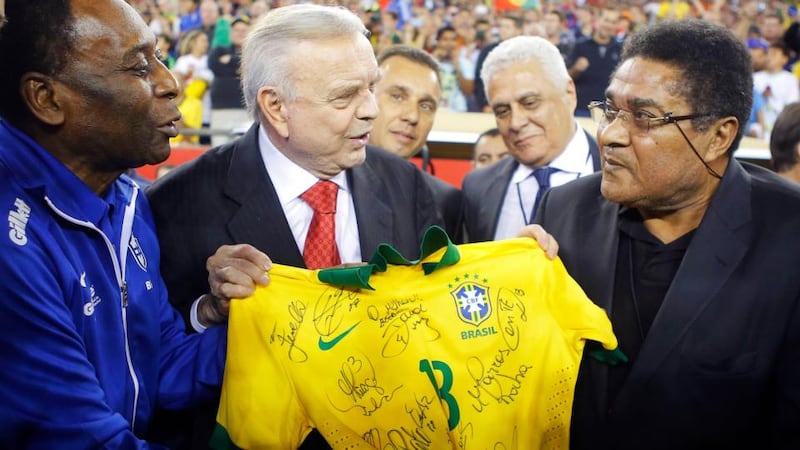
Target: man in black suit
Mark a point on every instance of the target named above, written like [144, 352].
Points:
[533, 100]
[308, 75]
[692, 253]
[408, 96]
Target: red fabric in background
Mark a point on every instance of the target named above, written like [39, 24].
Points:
[449, 170]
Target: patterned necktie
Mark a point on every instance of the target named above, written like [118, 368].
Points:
[542, 175]
[320, 249]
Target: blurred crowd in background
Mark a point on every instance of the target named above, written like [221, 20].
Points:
[200, 41]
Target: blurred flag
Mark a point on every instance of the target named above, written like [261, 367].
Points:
[512, 5]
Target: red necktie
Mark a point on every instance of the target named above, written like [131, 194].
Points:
[320, 250]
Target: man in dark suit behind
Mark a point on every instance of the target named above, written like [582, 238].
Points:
[408, 97]
[533, 100]
[308, 75]
[693, 254]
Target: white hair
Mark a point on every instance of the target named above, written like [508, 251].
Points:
[523, 49]
[270, 48]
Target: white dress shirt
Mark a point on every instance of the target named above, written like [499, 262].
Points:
[515, 212]
[290, 181]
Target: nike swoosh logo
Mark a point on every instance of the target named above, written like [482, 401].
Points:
[327, 345]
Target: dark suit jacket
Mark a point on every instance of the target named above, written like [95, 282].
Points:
[484, 190]
[225, 196]
[449, 201]
[720, 366]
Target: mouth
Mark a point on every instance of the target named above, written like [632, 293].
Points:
[523, 141]
[404, 138]
[170, 128]
[361, 139]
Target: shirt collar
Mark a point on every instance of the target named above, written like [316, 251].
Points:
[289, 179]
[571, 160]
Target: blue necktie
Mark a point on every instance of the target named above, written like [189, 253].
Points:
[542, 175]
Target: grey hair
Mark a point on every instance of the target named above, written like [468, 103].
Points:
[270, 47]
[522, 49]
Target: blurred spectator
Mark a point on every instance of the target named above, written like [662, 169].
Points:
[489, 148]
[757, 123]
[191, 106]
[758, 53]
[209, 14]
[390, 34]
[778, 86]
[227, 104]
[584, 23]
[510, 26]
[593, 61]
[257, 9]
[557, 34]
[164, 45]
[450, 75]
[784, 143]
[192, 64]
[772, 29]
[674, 10]
[189, 18]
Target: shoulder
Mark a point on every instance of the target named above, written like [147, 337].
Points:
[441, 188]
[479, 179]
[207, 171]
[387, 164]
[770, 190]
[577, 194]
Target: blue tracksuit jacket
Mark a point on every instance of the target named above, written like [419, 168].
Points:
[89, 343]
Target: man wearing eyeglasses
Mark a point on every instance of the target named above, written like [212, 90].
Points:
[692, 253]
[533, 100]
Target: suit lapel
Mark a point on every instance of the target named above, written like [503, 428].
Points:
[496, 192]
[600, 247]
[717, 247]
[259, 220]
[594, 151]
[374, 215]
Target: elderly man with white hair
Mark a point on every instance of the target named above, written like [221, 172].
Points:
[533, 100]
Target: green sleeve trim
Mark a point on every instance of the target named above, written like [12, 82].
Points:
[358, 277]
[610, 357]
[220, 440]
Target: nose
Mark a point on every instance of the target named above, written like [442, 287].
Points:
[517, 120]
[368, 109]
[164, 82]
[614, 133]
[411, 112]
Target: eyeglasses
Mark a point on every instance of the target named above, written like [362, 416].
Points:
[603, 114]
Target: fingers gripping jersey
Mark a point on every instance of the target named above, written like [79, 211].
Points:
[481, 354]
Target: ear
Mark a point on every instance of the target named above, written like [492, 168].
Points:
[40, 94]
[571, 96]
[724, 132]
[273, 108]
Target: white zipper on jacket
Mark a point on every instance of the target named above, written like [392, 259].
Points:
[119, 271]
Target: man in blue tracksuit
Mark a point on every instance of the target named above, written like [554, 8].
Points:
[89, 343]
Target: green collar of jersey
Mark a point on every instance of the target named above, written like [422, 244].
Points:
[358, 277]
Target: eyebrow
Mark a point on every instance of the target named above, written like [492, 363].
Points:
[140, 48]
[637, 102]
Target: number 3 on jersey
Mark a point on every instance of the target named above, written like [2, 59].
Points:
[444, 390]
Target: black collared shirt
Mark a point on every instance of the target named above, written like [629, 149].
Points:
[644, 272]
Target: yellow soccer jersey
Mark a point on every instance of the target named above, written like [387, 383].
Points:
[481, 354]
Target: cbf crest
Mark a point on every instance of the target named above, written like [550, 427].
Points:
[472, 302]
